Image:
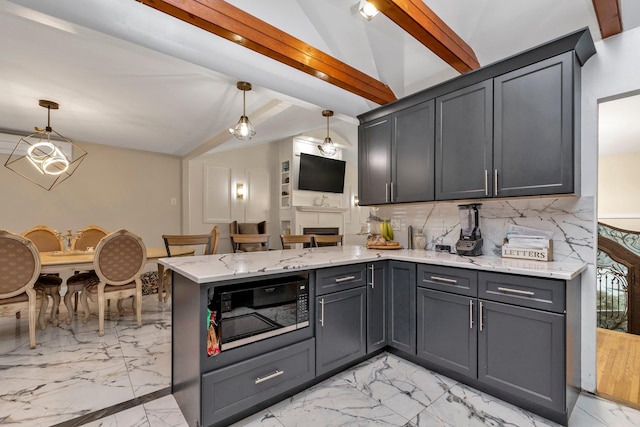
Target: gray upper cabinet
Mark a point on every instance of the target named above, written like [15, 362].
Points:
[374, 161]
[533, 129]
[464, 144]
[396, 157]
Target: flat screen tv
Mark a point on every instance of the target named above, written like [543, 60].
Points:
[321, 174]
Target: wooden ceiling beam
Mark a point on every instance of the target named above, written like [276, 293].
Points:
[609, 19]
[227, 21]
[425, 26]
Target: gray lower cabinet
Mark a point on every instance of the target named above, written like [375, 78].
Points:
[521, 352]
[231, 390]
[376, 306]
[401, 325]
[340, 328]
[447, 330]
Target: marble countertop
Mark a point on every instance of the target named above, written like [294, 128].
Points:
[214, 268]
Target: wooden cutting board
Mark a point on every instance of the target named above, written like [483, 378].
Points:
[384, 246]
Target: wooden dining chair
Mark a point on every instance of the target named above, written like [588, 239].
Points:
[210, 247]
[119, 259]
[327, 240]
[46, 239]
[249, 242]
[236, 227]
[306, 240]
[19, 273]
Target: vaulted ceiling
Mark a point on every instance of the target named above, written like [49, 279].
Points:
[128, 75]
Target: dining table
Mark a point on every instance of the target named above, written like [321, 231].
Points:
[75, 260]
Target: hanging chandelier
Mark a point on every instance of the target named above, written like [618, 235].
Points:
[327, 148]
[244, 131]
[45, 157]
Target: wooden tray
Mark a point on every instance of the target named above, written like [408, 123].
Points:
[388, 247]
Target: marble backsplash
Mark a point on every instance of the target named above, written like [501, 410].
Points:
[571, 219]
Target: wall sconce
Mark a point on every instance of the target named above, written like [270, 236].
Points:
[367, 10]
[44, 160]
[356, 200]
[239, 191]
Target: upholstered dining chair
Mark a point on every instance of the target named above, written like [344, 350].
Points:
[45, 239]
[19, 272]
[86, 238]
[295, 239]
[119, 259]
[209, 242]
[327, 240]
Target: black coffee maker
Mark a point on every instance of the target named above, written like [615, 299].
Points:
[470, 242]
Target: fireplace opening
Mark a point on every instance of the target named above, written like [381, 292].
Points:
[325, 231]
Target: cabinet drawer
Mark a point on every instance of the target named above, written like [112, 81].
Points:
[533, 292]
[447, 279]
[335, 279]
[230, 390]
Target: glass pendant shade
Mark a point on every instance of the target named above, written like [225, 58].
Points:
[45, 158]
[327, 148]
[243, 131]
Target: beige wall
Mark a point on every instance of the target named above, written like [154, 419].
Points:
[113, 187]
[618, 192]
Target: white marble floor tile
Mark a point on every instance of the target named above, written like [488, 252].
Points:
[462, 406]
[261, 419]
[134, 417]
[593, 411]
[164, 412]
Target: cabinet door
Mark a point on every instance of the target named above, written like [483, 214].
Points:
[447, 334]
[401, 325]
[521, 351]
[340, 328]
[374, 162]
[376, 306]
[413, 154]
[533, 125]
[464, 143]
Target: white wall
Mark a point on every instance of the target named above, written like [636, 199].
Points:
[612, 71]
[113, 187]
[241, 163]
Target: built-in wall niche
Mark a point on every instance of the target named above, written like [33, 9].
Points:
[221, 203]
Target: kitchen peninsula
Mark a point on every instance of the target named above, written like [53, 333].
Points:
[505, 326]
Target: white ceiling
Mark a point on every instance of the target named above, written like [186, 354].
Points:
[127, 75]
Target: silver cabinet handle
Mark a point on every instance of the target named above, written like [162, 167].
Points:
[470, 314]
[517, 291]
[495, 181]
[277, 373]
[486, 182]
[386, 192]
[391, 187]
[344, 279]
[322, 312]
[443, 279]
[372, 284]
[481, 322]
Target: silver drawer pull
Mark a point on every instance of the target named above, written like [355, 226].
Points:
[344, 279]
[443, 279]
[517, 291]
[277, 373]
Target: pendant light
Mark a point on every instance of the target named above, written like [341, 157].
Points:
[243, 130]
[327, 148]
[45, 157]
